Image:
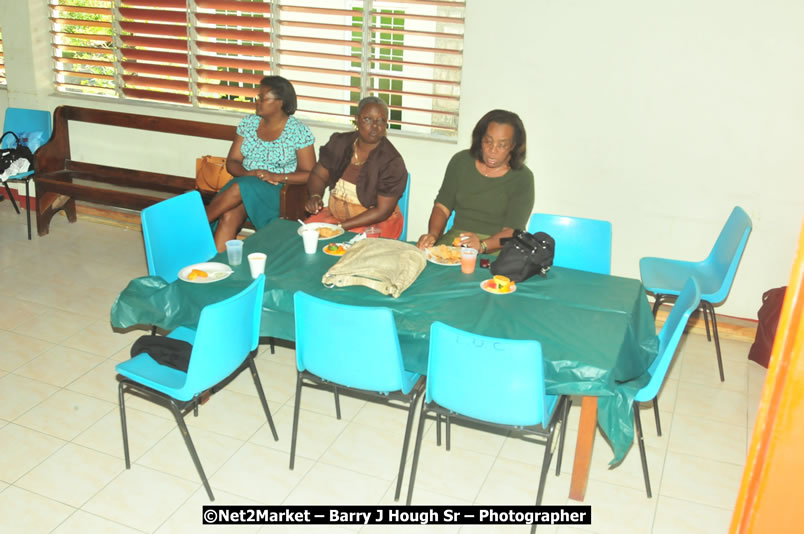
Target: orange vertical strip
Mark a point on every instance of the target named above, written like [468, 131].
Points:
[583, 448]
[772, 488]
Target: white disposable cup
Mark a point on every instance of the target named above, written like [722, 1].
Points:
[310, 238]
[234, 251]
[256, 262]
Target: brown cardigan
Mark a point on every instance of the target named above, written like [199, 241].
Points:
[383, 173]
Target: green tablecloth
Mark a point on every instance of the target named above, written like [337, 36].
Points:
[597, 331]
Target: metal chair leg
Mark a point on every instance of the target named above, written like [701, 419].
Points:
[548, 456]
[120, 391]
[717, 340]
[11, 197]
[656, 415]
[405, 443]
[564, 418]
[641, 444]
[190, 447]
[295, 420]
[447, 431]
[416, 450]
[261, 393]
[28, 204]
[706, 321]
[657, 303]
[438, 429]
[337, 403]
[271, 344]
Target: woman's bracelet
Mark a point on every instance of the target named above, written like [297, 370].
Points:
[483, 247]
[313, 196]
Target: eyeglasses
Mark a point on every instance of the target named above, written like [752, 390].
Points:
[499, 145]
[368, 121]
[263, 98]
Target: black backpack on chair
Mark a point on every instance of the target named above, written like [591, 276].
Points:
[524, 255]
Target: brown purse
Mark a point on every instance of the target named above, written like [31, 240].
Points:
[210, 173]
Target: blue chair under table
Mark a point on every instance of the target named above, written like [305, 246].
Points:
[583, 244]
[25, 123]
[369, 364]
[669, 337]
[404, 201]
[224, 344]
[666, 278]
[176, 234]
[491, 381]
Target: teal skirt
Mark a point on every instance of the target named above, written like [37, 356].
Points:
[260, 199]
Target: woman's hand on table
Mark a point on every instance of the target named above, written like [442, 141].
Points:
[426, 241]
[314, 204]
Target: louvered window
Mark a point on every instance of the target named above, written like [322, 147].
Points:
[213, 53]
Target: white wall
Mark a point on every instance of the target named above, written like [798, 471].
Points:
[657, 116]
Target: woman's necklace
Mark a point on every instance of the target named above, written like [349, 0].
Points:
[357, 162]
[493, 173]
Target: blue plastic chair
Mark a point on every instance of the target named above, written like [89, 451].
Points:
[582, 244]
[404, 201]
[669, 337]
[19, 120]
[176, 234]
[370, 363]
[666, 278]
[491, 381]
[450, 222]
[224, 344]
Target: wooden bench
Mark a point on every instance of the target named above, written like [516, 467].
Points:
[60, 180]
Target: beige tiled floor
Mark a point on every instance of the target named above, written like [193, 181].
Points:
[61, 467]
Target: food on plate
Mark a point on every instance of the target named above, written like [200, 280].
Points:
[497, 286]
[323, 231]
[457, 242]
[197, 273]
[446, 254]
[336, 249]
[502, 282]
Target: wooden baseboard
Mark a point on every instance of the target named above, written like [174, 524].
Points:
[727, 327]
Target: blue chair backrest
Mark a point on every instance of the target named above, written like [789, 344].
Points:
[450, 222]
[583, 244]
[725, 256]
[20, 120]
[673, 327]
[353, 346]
[176, 234]
[404, 201]
[491, 379]
[227, 332]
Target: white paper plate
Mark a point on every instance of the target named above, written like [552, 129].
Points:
[316, 226]
[432, 258]
[484, 287]
[215, 271]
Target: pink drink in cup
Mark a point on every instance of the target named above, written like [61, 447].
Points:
[373, 231]
[468, 260]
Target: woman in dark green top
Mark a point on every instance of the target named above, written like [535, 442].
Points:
[488, 187]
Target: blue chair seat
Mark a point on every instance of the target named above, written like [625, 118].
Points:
[369, 364]
[19, 120]
[665, 278]
[224, 344]
[492, 381]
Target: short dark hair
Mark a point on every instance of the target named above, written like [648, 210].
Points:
[500, 116]
[370, 100]
[283, 90]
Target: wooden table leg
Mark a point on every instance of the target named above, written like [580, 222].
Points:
[583, 448]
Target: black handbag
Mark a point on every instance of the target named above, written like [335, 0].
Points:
[10, 155]
[524, 255]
